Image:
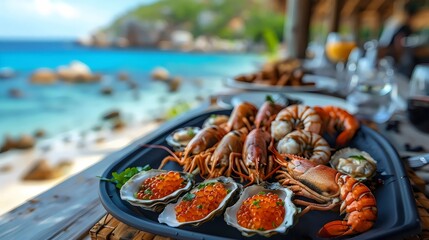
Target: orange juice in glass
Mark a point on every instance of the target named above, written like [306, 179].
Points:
[339, 51]
[338, 48]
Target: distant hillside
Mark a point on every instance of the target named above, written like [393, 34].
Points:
[231, 20]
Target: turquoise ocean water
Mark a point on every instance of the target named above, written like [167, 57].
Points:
[63, 107]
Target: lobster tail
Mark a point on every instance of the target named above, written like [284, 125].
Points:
[360, 207]
[333, 229]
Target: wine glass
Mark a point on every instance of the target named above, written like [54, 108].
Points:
[338, 48]
[418, 99]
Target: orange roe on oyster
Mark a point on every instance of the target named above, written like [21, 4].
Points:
[195, 206]
[263, 211]
[160, 186]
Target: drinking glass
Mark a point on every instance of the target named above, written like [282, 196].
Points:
[338, 48]
[418, 99]
[373, 91]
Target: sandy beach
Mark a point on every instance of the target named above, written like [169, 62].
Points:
[80, 153]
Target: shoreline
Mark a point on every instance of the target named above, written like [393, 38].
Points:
[16, 191]
[81, 150]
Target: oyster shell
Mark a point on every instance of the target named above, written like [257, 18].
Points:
[215, 120]
[132, 186]
[354, 162]
[168, 216]
[180, 138]
[284, 193]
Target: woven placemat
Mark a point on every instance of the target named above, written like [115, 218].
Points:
[109, 228]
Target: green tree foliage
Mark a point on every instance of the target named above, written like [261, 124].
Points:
[257, 16]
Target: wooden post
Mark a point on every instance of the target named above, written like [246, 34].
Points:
[297, 27]
[355, 24]
[334, 23]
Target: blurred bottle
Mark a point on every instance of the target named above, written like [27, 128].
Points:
[418, 100]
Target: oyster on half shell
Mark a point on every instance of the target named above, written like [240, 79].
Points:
[285, 194]
[168, 216]
[354, 162]
[132, 186]
[180, 138]
[215, 120]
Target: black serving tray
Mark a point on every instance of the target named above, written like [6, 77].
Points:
[397, 214]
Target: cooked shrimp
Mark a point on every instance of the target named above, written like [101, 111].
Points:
[306, 144]
[295, 117]
[338, 120]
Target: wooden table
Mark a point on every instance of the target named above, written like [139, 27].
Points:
[70, 209]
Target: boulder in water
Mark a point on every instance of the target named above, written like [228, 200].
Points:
[15, 93]
[39, 133]
[106, 91]
[111, 115]
[160, 73]
[174, 84]
[43, 76]
[118, 124]
[8, 144]
[7, 72]
[25, 142]
[123, 76]
[77, 72]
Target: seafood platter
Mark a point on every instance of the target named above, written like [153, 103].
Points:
[278, 172]
[284, 75]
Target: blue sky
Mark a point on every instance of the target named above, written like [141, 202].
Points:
[59, 19]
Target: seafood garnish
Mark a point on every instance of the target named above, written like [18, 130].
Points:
[270, 207]
[354, 162]
[181, 137]
[215, 120]
[131, 190]
[201, 204]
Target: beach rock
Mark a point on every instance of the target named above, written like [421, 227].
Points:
[8, 144]
[199, 82]
[42, 170]
[77, 72]
[25, 142]
[174, 84]
[99, 140]
[199, 98]
[43, 76]
[79, 67]
[111, 115]
[118, 124]
[7, 72]
[160, 73]
[39, 133]
[123, 76]
[132, 85]
[6, 168]
[106, 91]
[15, 93]
[97, 128]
